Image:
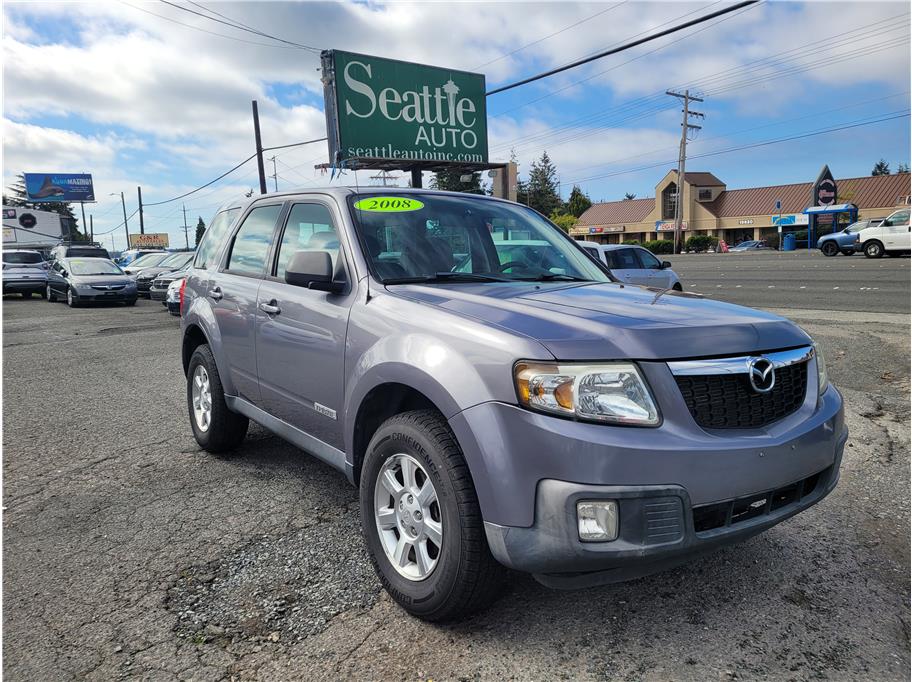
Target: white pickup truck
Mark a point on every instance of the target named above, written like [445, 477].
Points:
[891, 237]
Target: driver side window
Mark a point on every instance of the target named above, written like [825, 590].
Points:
[648, 261]
[309, 228]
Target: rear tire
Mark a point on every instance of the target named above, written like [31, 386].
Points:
[463, 577]
[873, 249]
[829, 248]
[215, 427]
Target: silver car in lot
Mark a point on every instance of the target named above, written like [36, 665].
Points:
[634, 265]
[533, 413]
[24, 272]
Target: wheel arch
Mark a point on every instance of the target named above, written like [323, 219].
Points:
[194, 337]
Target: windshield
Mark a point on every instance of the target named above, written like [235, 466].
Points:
[149, 260]
[426, 237]
[87, 252]
[177, 260]
[93, 266]
[22, 257]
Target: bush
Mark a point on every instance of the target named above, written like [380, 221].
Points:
[660, 246]
[631, 242]
[563, 220]
[700, 243]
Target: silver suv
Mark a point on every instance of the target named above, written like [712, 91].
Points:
[498, 404]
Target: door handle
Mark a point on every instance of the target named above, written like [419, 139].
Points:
[270, 308]
[215, 294]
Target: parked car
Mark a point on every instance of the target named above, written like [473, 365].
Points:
[23, 274]
[175, 261]
[173, 296]
[77, 251]
[562, 424]
[634, 265]
[131, 255]
[751, 245]
[16, 258]
[160, 285]
[843, 241]
[150, 260]
[891, 237]
[89, 280]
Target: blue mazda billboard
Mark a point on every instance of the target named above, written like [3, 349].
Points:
[59, 187]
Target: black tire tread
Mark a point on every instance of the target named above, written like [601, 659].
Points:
[227, 429]
[480, 575]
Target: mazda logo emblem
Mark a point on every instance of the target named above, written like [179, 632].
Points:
[762, 374]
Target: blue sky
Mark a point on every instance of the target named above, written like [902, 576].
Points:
[142, 93]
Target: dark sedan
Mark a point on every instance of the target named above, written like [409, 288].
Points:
[174, 262]
[159, 289]
[89, 280]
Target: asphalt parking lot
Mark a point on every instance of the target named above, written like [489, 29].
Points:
[130, 553]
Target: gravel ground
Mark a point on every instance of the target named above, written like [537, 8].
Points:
[129, 553]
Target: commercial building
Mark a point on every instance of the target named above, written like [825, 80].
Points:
[710, 208]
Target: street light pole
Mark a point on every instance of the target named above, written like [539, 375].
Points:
[123, 204]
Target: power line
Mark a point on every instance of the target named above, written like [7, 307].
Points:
[550, 35]
[202, 30]
[294, 144]
[856, 124]
[621, 48]
[101, 234]
[240, 27]
[194, 191]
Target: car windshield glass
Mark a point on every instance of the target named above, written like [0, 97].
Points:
[149, 260]
[93, 266]
[177, 260]
[22, 257]
[428, 237]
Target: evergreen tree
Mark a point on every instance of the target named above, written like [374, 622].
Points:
[903, 168]
[200, 230]
[450, 180]
[881, 168]
[542, 186]
[17, 197]
[629, 196]
[579, 202]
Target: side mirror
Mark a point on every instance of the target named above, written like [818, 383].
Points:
[63, 273]
[312, 270]
[665, 265]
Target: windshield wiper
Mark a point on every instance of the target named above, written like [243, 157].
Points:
[554, 276]
[447, 277]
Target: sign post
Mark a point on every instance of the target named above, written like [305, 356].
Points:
[779, 222]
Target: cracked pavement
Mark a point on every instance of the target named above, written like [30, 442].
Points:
[131, 554]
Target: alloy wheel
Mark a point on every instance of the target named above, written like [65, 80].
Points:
[408, 517]
[201, 396]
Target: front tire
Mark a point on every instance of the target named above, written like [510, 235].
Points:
[829, 248]
[421, 520]
[215, 427]
[873, 249]
[71, 298]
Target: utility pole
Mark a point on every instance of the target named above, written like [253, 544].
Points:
[275, 173]
[92, 228]
[259, 147]
[83, 207]
[123, 203]
[686, 127]
[142, 227]
[186, 233]
[383, 176]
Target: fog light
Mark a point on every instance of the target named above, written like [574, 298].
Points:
[597, 520]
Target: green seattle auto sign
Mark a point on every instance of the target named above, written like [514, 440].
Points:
[386, 109]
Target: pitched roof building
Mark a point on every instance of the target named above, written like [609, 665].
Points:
[709, 207]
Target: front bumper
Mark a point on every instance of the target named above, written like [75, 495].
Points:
[143, 286]
[158, 294]
[858, 246]
[102, 296]
[529, 477]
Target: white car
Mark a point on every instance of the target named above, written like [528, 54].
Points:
[891, 237]
[634, 265]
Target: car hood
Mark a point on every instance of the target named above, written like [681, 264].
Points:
[155, 271]
[614, 321]
[117, 280]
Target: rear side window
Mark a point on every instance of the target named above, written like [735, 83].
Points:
[213, 238]
[622, 259]
[309, 228]
[252, 241]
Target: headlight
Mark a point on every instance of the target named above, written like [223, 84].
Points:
[612, 392]
[821, 370]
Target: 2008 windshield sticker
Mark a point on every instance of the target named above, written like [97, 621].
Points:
[388, 204]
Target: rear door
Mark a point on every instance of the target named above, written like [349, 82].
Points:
[625, 265]
[300, 333]
[232, 292]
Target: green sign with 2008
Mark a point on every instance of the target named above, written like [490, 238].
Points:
[386, 109]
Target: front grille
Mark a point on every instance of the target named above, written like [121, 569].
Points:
[108, 287]
[709, 517]
[728, 401]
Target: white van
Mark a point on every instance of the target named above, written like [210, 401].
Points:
[891, 237]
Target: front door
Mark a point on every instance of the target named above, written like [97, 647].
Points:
[896, 232]
[625, 265]
[652, 268]
[300, 333]
[233, 296]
